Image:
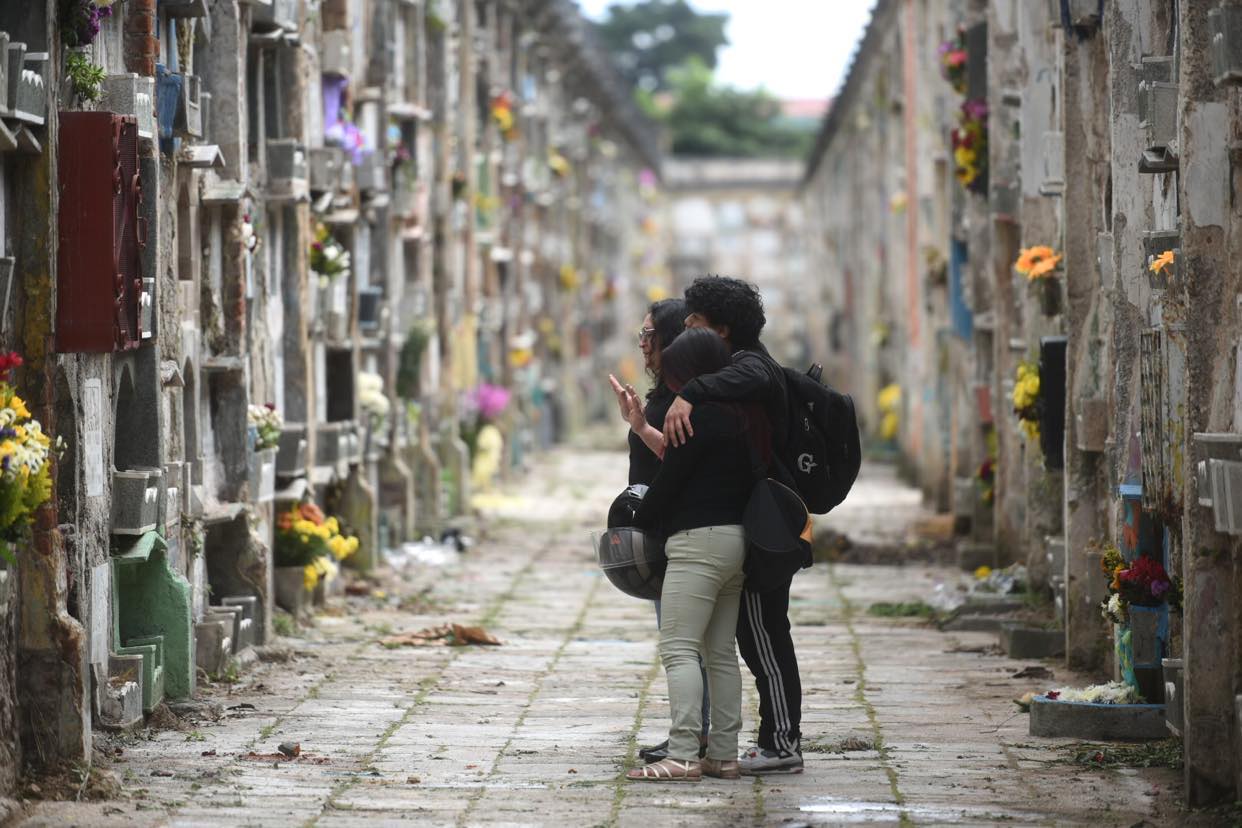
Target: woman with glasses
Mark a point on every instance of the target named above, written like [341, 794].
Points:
[661, 326]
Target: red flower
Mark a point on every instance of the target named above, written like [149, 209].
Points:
[1052, 695]
[8, 362]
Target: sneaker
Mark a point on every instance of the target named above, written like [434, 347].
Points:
[757, 761]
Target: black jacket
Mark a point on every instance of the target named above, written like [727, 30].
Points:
[754, 376]
[704, 482]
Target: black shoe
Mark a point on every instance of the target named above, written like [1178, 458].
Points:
[655, 753]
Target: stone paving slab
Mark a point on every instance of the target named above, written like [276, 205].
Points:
[539, 730]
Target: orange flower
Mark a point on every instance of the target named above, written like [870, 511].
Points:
[312, 513]
[1043, 267]
[1032, 256]
[1162, 262]
[284, 521]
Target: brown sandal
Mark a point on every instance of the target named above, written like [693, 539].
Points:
[721, 768]
[667, 770]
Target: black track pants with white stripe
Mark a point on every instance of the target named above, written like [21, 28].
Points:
[767, 648]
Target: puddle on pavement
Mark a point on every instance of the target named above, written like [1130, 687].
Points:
[852, 810]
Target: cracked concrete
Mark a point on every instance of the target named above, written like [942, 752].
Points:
[538, 731]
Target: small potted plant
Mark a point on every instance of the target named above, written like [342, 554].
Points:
[309, 547]
[1041, 265]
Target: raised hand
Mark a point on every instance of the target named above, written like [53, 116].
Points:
[623, 398]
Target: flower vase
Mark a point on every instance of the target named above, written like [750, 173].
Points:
[1050, 296]
[291, 592]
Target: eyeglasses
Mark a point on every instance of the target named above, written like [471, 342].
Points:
[645, 335]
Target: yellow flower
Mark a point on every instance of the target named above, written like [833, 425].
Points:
[888, 426]
[656, 292]
[889, 397]
[520, 357]
[1031, 429]
[569, 277]
[310, 576]
[19, 407]
[965, 156]
[983, 572]
[1162, 262]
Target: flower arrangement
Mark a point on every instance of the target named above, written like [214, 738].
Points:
[84, 76]
[25, 480]
[970, 145]
[305, 537]
[953, 58]
[80, 20]
[268, 422]
[489, 401]
[1114, 692]
[502, 114]
[328, 259]
[1163, 263]
[372, 401]
[1038, 262]
[1027, 402]
[249, 239]
[1142, 582]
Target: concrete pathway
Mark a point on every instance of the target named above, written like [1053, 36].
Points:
[538, 730]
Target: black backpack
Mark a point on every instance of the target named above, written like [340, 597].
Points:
[822, 452]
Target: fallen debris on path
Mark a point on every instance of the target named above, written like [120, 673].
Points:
[445, 635]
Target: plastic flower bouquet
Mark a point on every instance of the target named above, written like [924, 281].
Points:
[953, 60]
[1027, 401]
[328, 259]
[307, 538]
[267, 420]
[372, 401]
[1142, 582]
[25, 479]
[970, 145]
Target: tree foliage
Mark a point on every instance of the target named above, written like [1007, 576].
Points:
[708, 119]
[667, 50]
[649, 38]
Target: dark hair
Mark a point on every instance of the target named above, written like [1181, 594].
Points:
[722, 300]
[694, 352]
[668, 320]
[699, 351]
[668, 317]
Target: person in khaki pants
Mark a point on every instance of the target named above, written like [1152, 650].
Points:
[697, 501]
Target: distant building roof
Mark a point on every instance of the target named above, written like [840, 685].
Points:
[805, 107]
[731, 173]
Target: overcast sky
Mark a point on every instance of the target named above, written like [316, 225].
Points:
[796, 48]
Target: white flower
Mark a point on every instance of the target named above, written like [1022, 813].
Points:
[1114, 692]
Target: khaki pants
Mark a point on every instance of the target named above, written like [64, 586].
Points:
[699, 606]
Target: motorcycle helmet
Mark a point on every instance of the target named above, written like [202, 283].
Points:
[623, 509]
[633, 560]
